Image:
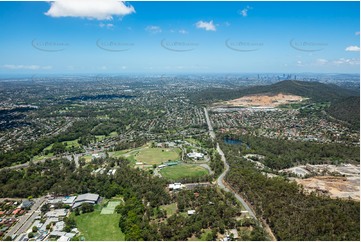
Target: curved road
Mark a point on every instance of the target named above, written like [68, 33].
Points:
[226, 166]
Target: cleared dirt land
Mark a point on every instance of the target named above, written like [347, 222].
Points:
[263, 100]
[341, 181]
[341, 187]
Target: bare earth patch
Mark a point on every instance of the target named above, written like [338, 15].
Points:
[336, 187]
[263, 100]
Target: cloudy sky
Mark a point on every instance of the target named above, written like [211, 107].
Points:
[110, 36]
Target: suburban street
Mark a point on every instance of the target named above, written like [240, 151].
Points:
[210, 128]
[26, 220]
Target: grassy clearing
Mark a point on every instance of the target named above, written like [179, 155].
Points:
[41, 157]
[109, 209]
[69, 144]
[148, 156]
[118, 154]
[100, 137]
[88, 158]
[170, 209]
[193, 141]
[100, 227]
[205, 233]
[183, 170]
[49, 147]
[113, 134]
[203, 237]
[157, 155]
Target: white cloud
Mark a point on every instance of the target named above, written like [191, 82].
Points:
[299, 63]
[330, 63]
[352, 48]
[244, 12]
[153, 29]
[321, 61]
[183, 31]
[108, 26]
[357, 33]
[227, 24]
[90, 9]
[208, 26]
[342, 61]
[26, 67]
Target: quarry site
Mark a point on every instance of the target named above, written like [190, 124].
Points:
[341, 181]
[263, 100]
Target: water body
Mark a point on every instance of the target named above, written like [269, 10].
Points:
[229, 141]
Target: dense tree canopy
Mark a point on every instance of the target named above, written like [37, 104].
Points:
[291, 213]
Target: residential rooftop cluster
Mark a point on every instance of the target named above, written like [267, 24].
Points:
[284, 123]
[46, 218]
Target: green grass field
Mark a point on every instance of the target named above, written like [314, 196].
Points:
[109, 209]
[170, 208]
[96, 226]
[100, 137]
[148, 156]
[69, 144]
[156, 156]
[41, 157]
[118, 154]
[183, 170]
[113, 134]
[88, 158]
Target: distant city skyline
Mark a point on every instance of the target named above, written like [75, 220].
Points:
[114, 37]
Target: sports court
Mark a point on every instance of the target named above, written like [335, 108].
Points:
[109, 209]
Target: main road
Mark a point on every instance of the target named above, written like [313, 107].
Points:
[27, 219]
[220, 180]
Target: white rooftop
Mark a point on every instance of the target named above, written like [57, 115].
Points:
[195, 155]
[191, 212]
[88, 197]
[56, 213]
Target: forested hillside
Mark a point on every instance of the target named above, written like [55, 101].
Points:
[347, 109]
[317, 91]
[291, 213]
[281, 154]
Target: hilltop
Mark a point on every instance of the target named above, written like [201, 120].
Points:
[316, 91]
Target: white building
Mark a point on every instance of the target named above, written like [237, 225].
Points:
[57, 213]
[175, 186]
[90, 198]
[191, 212]
[195, 155]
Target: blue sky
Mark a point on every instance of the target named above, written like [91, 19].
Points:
[179, 37]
